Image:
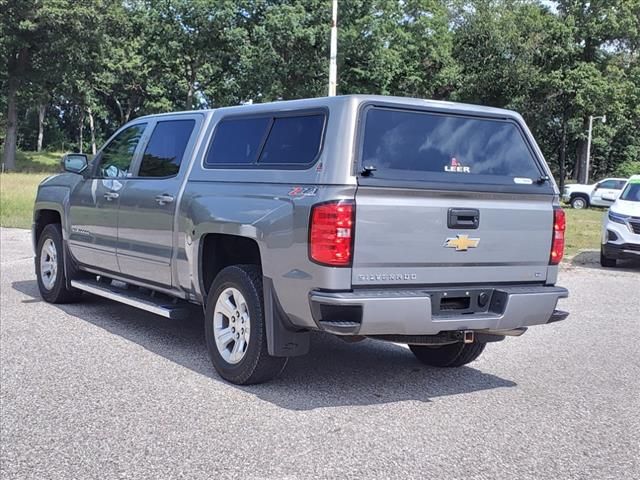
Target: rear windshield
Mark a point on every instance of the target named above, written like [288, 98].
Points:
[409, 145]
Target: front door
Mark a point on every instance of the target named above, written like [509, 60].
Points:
[94, 202]
[148, 200]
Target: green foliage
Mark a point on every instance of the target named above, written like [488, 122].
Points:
[93, 65]
[628, 168]
[38, 162]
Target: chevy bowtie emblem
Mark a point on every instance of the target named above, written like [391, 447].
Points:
[462, 243]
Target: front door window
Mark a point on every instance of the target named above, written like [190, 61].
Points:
[115, 159]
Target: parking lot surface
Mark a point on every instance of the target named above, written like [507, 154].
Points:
[102, 390]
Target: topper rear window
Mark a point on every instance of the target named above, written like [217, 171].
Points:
[434, 147]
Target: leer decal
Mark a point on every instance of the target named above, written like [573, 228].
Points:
[456, 167]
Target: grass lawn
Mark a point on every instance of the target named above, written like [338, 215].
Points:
[583, 230]
[18, 190]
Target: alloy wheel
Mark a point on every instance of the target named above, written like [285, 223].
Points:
[48, 264]
[231, 325]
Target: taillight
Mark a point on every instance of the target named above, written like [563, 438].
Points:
[557, 243]
[331, 233]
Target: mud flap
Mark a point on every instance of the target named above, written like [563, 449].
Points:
[283, 340]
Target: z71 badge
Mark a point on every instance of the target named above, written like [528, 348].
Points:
[303, 191]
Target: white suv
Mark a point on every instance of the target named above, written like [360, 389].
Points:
[600, 194]
[621, 226]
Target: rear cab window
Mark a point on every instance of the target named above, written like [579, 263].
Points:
[446, 149]
[290, 140]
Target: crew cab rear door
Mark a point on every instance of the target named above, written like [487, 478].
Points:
[146, 218]
[606, 192]
[449, 199]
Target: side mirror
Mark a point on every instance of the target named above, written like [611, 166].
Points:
[75, 162]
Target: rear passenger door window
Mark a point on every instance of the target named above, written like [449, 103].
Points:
[293, 140]
[164, 152]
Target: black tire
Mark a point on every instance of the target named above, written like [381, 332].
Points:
[256, 366]
[58, 292]
[605, 261]
[452, 355]
[579, 202]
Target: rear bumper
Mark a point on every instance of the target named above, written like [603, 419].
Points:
[410, 312]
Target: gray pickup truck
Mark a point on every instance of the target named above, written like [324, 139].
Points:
[432, 224]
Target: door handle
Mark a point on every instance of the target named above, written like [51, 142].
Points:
[164, 198]
[111, 195]
[463, 218]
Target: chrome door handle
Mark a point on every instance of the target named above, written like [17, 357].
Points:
[111, 195]
[164, 198]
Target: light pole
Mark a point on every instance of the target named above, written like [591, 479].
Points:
[591, 119]
[333, 68]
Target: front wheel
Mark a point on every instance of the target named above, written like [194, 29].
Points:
[452, 355]
[52, 281]
[605, 261]
[235, 328]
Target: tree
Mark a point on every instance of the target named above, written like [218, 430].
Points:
[601, 29]
[287, 53]
[397, 48]
[200, 46]
[41, 39]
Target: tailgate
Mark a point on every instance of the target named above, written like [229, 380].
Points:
[403, 237]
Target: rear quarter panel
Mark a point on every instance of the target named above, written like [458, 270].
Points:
[277, 222]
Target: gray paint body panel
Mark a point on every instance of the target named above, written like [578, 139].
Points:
[399, 232]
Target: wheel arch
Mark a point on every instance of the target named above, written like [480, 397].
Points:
[583, 195]
[220, 250]
[43, 217]
[217, 251]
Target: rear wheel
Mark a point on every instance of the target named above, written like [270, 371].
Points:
[52, 281]
[579, 202]
[235, 328]
[452, 355]
[605, 261]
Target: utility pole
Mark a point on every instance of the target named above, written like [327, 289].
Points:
[591, 119]
[333, 68]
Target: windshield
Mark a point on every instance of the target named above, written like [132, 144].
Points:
[632, 191]
[403, 145]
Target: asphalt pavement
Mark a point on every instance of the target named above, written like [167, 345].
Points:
[101, 390]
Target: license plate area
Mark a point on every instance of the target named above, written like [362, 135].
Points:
[447, 302]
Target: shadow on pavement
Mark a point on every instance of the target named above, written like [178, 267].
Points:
[591, 259]
[334, 373]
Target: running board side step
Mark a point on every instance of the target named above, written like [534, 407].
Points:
[160, 305]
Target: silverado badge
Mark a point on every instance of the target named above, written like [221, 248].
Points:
[462, 243]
